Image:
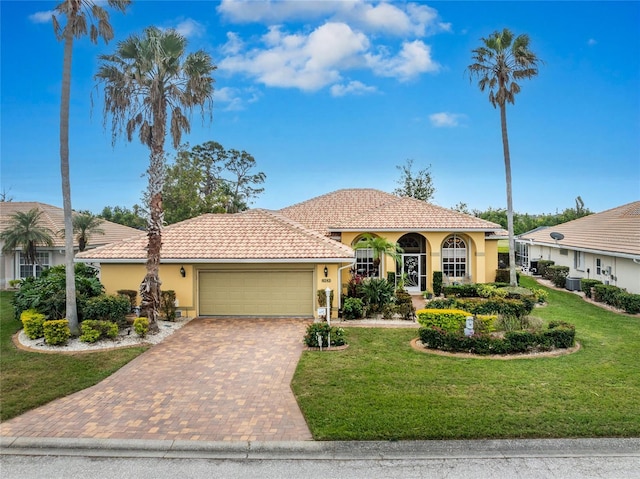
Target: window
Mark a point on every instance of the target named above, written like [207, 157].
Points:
[454, 257]
[364, 262]
[27, 270]
[598, 266]
[578, 260]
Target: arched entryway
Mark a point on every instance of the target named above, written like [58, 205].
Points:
[413, 265]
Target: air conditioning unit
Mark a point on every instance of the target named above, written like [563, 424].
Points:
[572, 284]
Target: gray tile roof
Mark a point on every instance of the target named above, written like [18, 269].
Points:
[614, 231]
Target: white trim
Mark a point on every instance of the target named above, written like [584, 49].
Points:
[617, 254]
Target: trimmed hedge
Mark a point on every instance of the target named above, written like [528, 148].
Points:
[543, 264]
[559, 335]
[108, 308]
[33, 323]
[557, 275]
[95, 330]
[437, 283]
[56, 332]
[617, 297]
[586, 285]
[450, 320]
[141, 326]
[461, 291]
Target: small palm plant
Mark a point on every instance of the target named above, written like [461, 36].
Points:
[380, 247]
[25, 231]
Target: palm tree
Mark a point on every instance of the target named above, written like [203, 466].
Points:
[24, 231]
[380, 247]
[84, 226]
[77, 13]
[146, 76]
[498, 65]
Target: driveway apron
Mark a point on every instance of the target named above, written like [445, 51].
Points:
[215, 379]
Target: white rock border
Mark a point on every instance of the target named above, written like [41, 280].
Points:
[126, 338]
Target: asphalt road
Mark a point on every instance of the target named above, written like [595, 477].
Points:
[495, 459]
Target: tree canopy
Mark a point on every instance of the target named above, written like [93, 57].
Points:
[417, 185]
[210, 179]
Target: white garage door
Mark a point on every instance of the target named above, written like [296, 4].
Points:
[256, 293]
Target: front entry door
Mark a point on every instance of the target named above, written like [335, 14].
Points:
[411, 272]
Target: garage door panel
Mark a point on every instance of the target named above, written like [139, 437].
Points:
[256, 293]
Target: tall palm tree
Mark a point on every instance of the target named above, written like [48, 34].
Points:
[146, 76]
[381, 248]
[499, 63]
[77, 13]
[26, 232]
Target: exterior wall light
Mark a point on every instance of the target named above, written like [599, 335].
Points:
[326, 271]
[183, 273]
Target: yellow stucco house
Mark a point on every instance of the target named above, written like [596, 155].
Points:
[272, 263]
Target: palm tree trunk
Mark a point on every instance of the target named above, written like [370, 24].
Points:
[513, 280]
[150, 287]
[71, 307]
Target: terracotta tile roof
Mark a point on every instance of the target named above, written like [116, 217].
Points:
[323, 211]
[368, 210]
[53, 218]
[614, 231]
[256, 235]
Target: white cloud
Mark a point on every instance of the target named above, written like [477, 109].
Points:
[445, 119]
[234, 44]
[413, 59]
[591, 42]
[41, 17]
[352, 88]
[189, 28]
[294, 60]
[379, 16]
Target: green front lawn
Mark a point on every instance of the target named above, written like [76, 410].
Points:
[29, 380]
[380, 388]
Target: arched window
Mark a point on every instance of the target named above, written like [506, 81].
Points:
[454, 257]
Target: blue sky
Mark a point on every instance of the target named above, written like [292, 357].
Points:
[328, 95]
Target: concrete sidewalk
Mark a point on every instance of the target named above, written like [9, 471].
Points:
[319, 450]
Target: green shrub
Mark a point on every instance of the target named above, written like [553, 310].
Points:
[461, 291]
[557, 275]
[586, 285]
[353, 308]
[32, 321]
[141, 326]
[485, 323]
[168, 304]
[47, 293]
[517, 292]
[559, 335]
[377, 293]
[442, 303]
[404, 305]
[503, 275]
[543, 264]
[540, 295]
[326, 332]
[607, 294]
[56, 332]
[94, 330]
[437, 283]
[490, 291]
[322, 298]
[629, 302]
[132, 295]
[108, 308]
[446, 319]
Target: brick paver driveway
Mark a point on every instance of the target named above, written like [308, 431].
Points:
[212, 380]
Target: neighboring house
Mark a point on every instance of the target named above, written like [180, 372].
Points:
[603, 246]
[14, 266]
[272, 263]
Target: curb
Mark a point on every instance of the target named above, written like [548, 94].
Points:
[322, 450]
